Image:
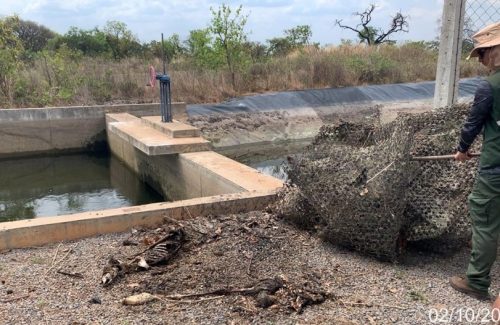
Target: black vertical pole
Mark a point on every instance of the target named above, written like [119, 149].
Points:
[162, 101]
[169, 104]
[165, 96]
[163, 54]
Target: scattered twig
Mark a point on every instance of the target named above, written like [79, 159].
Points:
[192, 301]
[265, 284]
[207, 293]
[62, 259]
[380, 172]
[172, 220]
[250, 264]
[74, 275]
[55, 256]
[362, 304]
[15, 298]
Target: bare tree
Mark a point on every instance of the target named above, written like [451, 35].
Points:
[371, 35]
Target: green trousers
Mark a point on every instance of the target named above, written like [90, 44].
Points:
[484, 209]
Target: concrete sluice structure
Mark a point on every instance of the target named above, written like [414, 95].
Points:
[171, 157]
[173, 162]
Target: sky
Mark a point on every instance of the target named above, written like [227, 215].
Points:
[266, 18]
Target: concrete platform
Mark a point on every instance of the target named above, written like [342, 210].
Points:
[174, 129]
[40, 231]
[202, 182]
[247, 178]
[148, 139]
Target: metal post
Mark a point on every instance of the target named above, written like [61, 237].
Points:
[165, 95]
[165, 98]
[163, 54]
[169, 103]
[162, 101]
[450, 50]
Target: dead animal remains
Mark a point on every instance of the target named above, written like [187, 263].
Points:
[161, 252]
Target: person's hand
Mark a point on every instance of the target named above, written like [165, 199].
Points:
[462, 156]
[495, 310]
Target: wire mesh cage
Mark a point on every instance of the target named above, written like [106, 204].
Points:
[478, 14]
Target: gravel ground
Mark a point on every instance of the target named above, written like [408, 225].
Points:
[230, 251]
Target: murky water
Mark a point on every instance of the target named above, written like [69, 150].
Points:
[50, 186]
[270, 159]
[274, 167]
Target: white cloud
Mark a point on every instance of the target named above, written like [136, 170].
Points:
[268, 18]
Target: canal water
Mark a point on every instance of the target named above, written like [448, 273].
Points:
[270, 159]
[50, 186]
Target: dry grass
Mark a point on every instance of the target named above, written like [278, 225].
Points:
[63, 80]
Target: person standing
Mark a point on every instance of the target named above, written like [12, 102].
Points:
[484, 200]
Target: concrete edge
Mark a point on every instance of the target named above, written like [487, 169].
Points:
[41, 231]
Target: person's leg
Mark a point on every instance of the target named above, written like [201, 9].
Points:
[485, 217]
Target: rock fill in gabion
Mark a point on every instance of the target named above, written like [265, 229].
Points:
[358, 184]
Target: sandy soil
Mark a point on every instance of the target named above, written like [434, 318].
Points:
[229, 251]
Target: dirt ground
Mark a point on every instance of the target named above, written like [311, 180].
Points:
[229, 252]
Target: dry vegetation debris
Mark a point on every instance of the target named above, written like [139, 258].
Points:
[215, 276]
[168, 242]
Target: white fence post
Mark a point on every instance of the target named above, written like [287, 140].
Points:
[450, 49]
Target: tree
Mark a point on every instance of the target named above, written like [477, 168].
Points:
[90, 42]
[199, 48]
[120, 39]
[372, 35]
[294, 38]
[279, 46]
[33, 36]
[10, 50]
[172, 48]
[257, 51]
[230, 37]
[299, 35]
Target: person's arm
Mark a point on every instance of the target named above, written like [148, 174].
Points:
[479, 112]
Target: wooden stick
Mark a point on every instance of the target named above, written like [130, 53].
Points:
[380, 172]
[192, 301]
[15, 298]
[220, 292]
[74, 275]
[172, 220]
[250, 264]
[444, 157]
[349, 303]
[62, 259]
[208, 293]
[55, 256]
